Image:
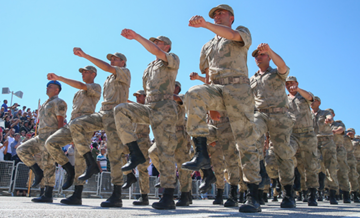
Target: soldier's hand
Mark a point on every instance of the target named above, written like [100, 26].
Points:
[79, 52]
[263, 48]
[194, 76]
[197, 21]
[129, 34]
[214, 115]
[52, 76]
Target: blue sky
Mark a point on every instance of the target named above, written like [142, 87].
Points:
[317, 40]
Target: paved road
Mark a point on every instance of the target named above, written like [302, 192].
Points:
[23, 207]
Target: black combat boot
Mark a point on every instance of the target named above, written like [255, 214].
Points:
[340, 194]
[297, 181]
[38, 174]
[355, 197]
[251, 205]
[190, 198]
[143, 200]
[208, 179]
[42, 190]
[346, 198]
[115, 198]
[167, 200]
[219, 197]
[275, 198]
[332, 197]
[320, 196]
[91, 167]
[305, 196]
[288, 200]
[299, 197]
[260, 197]
[201, 158]
[241, 198]
[75, 198]
[136, 157]
[70, 174]
[232, 200]
[130, 179]
[312, 199]
[184, 199]
[46, 197]
[265, 197]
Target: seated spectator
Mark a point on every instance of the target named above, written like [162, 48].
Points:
[24, 117]
[16, 125]
[28, 136]
[7, 121]
[101, 160]
[22, 135]
[14, 145]
[25, 127]
[2, 112]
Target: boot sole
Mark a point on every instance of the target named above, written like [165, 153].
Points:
[110, 205]
[70, 203]
[249, 210]
[207, 166]
[88, 177]
[161, 208]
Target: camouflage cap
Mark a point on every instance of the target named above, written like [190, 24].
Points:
[351, 129]
[93, 69]
[291, 78]
[254, 53]
[177, 83]
[317, 98]
[222, 6]
[357, 136]
[161, 38]
[139, 92]
[117, 54]
[331, 110]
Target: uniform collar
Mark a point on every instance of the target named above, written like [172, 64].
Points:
[267, 71]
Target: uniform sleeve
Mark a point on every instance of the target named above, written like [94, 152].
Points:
[204, 63]
[123, 75]
[172, 60]
[285, 75]
[245, 35]
[312, 95]
[93, 90]
[61, 108]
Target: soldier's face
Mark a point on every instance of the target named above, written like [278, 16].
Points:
[117, 62]
[177, 90]
[315, 104]
[162, 45]
[52, 90]
[262, 59]
[288, 84]
[87, 76]
[223, 17]
[140, 99]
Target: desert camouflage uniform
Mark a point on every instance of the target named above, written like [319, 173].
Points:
[229, 91]
[159, 111]
[271, 163]
[341, 154]
[304, 137]
[48, 124]
[327, 148]
[351, 160]
[84, 103]
[356, 147]
[115, 91]
[271, 116]
[142, 133]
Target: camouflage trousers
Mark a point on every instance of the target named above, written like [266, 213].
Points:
[358, 171]
[307, 158]
[58, 140]
[144, 145]
[103, 120]
[181, 156]
[238, 101]
[343, 173]
[34, 146]
[279, 126]
[353, 174]
[329, 163]
[218, 165]
[271, 163]
[161, 116]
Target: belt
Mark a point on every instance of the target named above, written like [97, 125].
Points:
[155, 98]
[303, 130]
[273, 110]
[179, 128]
[107, 107]
[232, 80]
[324, 138]
[142, 135]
